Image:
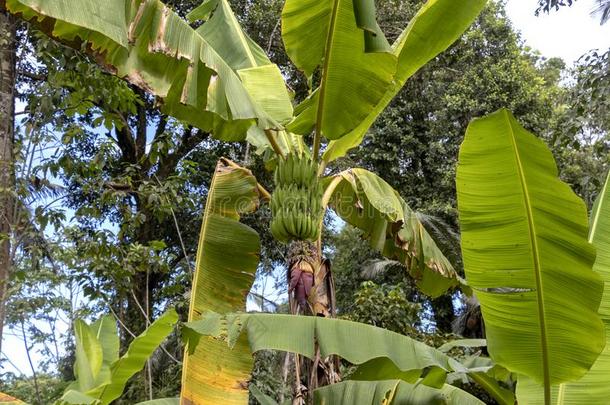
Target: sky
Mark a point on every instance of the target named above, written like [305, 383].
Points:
[567, 33]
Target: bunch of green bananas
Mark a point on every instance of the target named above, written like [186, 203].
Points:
[296, 203]
[295, 169]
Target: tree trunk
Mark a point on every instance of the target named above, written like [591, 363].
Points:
[7, 173]
[311, 292]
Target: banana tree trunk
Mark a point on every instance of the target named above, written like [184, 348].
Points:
[7, 175]
[311, 292]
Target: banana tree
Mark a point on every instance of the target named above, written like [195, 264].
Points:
[216, 78]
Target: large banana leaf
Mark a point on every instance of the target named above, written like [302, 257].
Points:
[391, 392]
[366, 201]
[101, 375]
[356, 69]
[355, 342]
[435, 27]
[526, 254]
[594, 387]
[227, 258]
[150, 46]
[259, 75]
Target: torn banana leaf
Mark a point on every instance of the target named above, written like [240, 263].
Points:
[366, 201]
[150, 46]
[355, 342]
[227, 259]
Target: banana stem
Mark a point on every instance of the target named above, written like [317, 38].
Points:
[273, 142]
[321, 168]
[328, 193]
[263, 192]
[316, 144]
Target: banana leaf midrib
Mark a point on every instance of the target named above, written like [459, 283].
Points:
[536, 256]
[327, 56]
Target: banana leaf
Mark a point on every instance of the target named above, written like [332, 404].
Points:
[366, 201]
[106, 333]
[593, 387]
[355, 342]
[138, 352]
[526, 254]
[392, 392]
[357, 65]
[437, 25]
[227, 258]
[89, 357]
[153, 48]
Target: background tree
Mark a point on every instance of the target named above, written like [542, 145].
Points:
[8, 50]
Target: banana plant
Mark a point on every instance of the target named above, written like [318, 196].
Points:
[529, 261]
[216, 78]
[101, 375]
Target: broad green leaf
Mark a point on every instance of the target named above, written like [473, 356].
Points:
[366, 201]
[385, 369]
[437, 25]
[266, 86]
[381, 354]
[89, 357]
[391, 392]
[326, 32]
[72, 397]
[593, 387]
[227, 258]
[150, 46]
[106, 333]
[223, 32]
[299, 334]
[526, 254]
[140, 350]
[309, 27]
